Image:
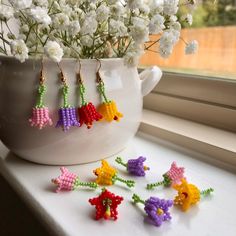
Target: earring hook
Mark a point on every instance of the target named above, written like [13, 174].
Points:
[63, 79]
[99, 79]
[79, 77]
[42, 78]
[100, 64]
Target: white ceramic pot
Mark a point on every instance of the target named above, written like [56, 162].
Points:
[18, 91]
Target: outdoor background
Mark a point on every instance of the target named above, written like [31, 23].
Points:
[214, 27]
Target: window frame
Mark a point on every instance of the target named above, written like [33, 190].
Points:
[203, 99]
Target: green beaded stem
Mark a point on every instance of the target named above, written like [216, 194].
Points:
[120, 161]
[101, 90]
[207, 191]
[65, 92]
[129, 183]
[82, 92]
[78, 184]
[41, 92]
[137, 199]
[152, 186]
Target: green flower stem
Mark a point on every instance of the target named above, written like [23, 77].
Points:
[78, 184]
[41, 92]
[152, 186]
[65, 92]
[129, 183]
[101, 89]
[207, 191]
[88, 184]
[137, 199]
[82, 92]
[120, 161]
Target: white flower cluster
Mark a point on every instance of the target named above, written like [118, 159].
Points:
[92, 28]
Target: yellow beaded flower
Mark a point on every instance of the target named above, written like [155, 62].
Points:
[105, 174]
[188, 194]
[109, 111]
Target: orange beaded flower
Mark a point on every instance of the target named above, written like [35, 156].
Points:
[108, 108]
[107, 175]
[188, 194]
[109, 111]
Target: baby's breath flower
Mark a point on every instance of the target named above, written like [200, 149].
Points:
[21, 4]
[170, 7]
[19, 50]
[74, 28]
[191, 47]
[90, 25]
[86, 41]
[156, 24]
[134, 4]
[102, 13]
[40, 15]
[5, 13]
[61, 21]
[188, 18]
[54, 51]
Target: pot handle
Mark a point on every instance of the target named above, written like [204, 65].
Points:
[149, 79]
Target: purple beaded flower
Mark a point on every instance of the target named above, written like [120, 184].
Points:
[134, 166]
[157, 209]
[67, 114]
[67, 118]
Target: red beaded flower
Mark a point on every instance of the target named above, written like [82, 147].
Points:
[88, 114]
[106, 205]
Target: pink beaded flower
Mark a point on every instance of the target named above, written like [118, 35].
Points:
[69, 181]
[172, 177]
[40, 114]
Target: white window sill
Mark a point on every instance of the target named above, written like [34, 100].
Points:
[71, 214]
[218, 144]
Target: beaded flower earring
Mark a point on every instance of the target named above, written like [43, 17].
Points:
[189, 194]
[106, 205]
[67, 113]
[108, 108]
[70, 181]
[40, 113]
[134, 166]
[87, 111]
[157, 209]
[106, 175]
[173, 176]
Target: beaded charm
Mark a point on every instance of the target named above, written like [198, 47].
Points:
[106, 205]
[87, 111]
[189, 194]
[40, 114]
[108, 108]
[67, 113]
[157, 210]
[134, 166]
[106, 175]
[173, 176]
[69, 181]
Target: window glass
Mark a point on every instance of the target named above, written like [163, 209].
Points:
[214, 27]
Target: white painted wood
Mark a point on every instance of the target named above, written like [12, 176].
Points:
[69, 213]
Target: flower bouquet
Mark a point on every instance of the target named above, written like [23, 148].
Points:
[92, 28]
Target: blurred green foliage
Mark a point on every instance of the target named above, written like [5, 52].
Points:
[214, 13]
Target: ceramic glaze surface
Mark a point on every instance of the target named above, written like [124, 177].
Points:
[18, 92]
